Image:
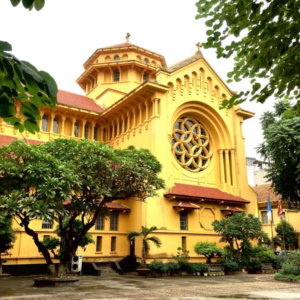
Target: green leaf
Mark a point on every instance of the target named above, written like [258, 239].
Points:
[8, 67]
[31, 126]
[32, 70]
[27, 3]
[209, 23]
[5, 46]
[15, 2]
[39, 4]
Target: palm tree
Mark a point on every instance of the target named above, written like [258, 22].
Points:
[145, 241]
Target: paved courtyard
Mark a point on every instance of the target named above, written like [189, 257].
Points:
[241, 286]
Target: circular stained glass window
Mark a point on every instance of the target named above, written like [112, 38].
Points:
[191, 144]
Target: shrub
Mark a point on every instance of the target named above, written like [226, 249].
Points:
[289, 269]
[287, 276]
[230, 265]
[294, 258]
[209, 250]
[278, 261]
[199, 267]
[182, 259]
[158, 266]
[262, 253]
[255, 264]
[172, 266]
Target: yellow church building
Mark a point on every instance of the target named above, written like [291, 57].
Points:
[134, 98]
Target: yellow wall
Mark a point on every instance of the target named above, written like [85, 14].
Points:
[150, 111]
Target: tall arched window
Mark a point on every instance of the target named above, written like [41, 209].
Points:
[117, 58]
[145, 77]
[96, 133]
[55, 125]
[86, 131]
[76, 129]
[116, 75]
[45, 123]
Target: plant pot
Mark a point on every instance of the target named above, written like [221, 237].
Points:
[143, 272]
[198, 273]
[205, 274]
[183, 273]
[228, 272]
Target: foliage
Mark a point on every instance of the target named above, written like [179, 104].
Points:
[52, 243]
[278, 261]
[230, 265]
[263, 37]
[255, 264]
[158, 266]
[289, 276]
[7, 236]
[262, 253]
[67, 178]
[24, 89]
[289, 269]
[238, 230]
[281, 147]
[143, 234]
[182, 259]
[172, 266]
[294, 258]
[285, 235]
[199, 267]
[209, 250]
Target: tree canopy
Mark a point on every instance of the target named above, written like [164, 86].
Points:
[263, 37]
[281, 147]
[209, 250]
[286, 235]
[29, 4]
[75, 179]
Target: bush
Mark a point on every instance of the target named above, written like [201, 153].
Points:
[199, 267]
[294, 258]
[209, 250]
[172, 266]
[262, 253]
[182, 259]
[230, 265]
[289, 269]
[287, 276]
[158, 266]
[255, 264]
[278, 261]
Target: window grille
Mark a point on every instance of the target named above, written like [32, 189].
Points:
[114, 220]
[7, 123]
[96, 133]
[55, 125]
[116, 75]
[99, 244]
[146, 61]
[76, 129]
[117, 58]
[113, 244]
[45, 123]
[264, 217]
[183, 243]
[47, 224]
[86, 131]
[145, 77]
[100, 223]
[183, 220]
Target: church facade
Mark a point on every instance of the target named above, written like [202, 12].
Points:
[134, 98]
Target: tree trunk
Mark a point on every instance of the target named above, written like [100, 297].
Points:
[0, 264]
[143, 257]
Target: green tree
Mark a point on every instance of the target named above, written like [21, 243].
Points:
[209, 250]
[24, 89]
[7, 237]
[285, 237]
[238, 230]
[263, 37]
[281, 147]
[144, 235]
[75, 179]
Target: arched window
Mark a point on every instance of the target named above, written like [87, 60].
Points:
[45, 123]
[86, 131]
[96, 133]
[76, 129]
[145, 77]
[146, 61]
[117, 58]
[55, 125]
[116, 75]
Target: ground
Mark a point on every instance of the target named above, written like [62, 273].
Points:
[130, 286]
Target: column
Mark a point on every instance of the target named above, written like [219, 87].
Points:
[140, 108]
[63, 119]
[93, 130]
[51, 123]
[233, 168]
[228, 177]
[73, 127]
[81, 134]
[222, 166]
[147, 111]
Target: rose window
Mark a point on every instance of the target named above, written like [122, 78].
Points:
[191, 144]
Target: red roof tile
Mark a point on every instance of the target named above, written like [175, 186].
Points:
[187, 190]
[232, 209]
[116, 206]
[5, 140]
[121, 45]
[186, 205]
[78, 101]
[263, 191]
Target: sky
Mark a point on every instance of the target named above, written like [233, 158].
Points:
[65, 33]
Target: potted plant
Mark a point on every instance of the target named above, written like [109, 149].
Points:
[182, 259]
[144, 235]
[158, 267]
[198, 268]
[172, 267]
[255, 266]
[230, 266]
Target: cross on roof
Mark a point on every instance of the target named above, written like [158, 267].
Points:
[127, 37]
[199, 46]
